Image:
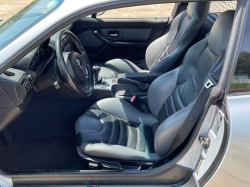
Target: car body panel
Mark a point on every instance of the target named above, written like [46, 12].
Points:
[235, 168]
[239, 118]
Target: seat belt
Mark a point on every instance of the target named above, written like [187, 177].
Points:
[198, 107]
[137, 101]
[171, 18]
[178, 8]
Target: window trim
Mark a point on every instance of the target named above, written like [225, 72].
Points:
[95, 15]
[234, 51]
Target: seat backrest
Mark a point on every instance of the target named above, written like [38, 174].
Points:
[164, 54]
[171, 96]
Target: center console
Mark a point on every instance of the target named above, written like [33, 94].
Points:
[122, 87]
[126, 85]
[106, 84]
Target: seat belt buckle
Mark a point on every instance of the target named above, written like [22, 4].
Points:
[208, 84]
[133, 99]
[137, 101]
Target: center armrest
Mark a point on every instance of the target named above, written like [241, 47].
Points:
[126, 91]
[147, 77]
[135, 76]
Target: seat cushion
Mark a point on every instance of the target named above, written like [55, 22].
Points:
[112, 68]
[113, 124]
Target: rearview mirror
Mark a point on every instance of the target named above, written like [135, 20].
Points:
[101, 13]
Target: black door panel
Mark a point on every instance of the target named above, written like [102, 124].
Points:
[126, 34]
[107, 53]
[106, 39]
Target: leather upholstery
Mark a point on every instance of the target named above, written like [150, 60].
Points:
[164, 54]
[120, 124]
[112, 68]
[113, 128]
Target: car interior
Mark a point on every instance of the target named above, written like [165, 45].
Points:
[111, 93]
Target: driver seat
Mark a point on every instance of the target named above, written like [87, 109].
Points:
[164, 54]
[112, 128]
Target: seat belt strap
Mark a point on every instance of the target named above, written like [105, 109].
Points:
[178, 8]
[137, 101]
[171, 18]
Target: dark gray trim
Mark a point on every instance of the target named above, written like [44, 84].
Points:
[234, 45]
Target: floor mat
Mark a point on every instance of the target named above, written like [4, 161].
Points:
[56, 116]
[32, 151]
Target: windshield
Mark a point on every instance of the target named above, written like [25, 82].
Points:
[16, 25]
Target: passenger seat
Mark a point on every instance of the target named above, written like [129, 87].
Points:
[165, 53]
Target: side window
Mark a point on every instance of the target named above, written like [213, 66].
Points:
[217, 7]
[145, 11]
[241, 78]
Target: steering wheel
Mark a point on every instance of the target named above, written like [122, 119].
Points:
[75, 67]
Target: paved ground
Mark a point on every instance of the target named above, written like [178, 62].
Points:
[10, 7]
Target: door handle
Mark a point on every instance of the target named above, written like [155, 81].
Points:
[113, 34]
[120, 44]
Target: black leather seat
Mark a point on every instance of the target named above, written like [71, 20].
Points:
[113, 128]
[164, 54]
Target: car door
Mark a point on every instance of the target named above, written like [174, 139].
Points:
[122, 33]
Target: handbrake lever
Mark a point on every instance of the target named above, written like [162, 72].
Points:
[138, 84]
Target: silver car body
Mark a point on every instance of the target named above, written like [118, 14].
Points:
[235, 168]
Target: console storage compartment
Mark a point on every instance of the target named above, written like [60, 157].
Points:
[127, 91]
[145, 77]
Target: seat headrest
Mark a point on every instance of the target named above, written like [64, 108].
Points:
[197, 8]
[220, 32]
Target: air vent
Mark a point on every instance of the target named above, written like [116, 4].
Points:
[65, 41]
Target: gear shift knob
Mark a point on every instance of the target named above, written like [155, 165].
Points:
[97, 70]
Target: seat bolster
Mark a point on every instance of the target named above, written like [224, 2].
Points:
[169, 62]
[124, 110]
[159, 91]
[123, 66]
[117, 152]
[166, 132]
[82, 122]
[155, 49]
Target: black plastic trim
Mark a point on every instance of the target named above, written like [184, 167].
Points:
[121, 44]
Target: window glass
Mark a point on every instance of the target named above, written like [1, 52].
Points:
[217, 7]
[241, 78]
[14, 26]
[145, 11]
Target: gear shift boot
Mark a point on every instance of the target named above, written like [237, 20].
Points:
[97, 70]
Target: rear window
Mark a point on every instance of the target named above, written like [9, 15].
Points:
[217, 7]
[16, 25]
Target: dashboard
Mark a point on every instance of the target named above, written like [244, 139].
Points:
[39, 55]
[34, 58]
[37, 71]
[34, 72]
